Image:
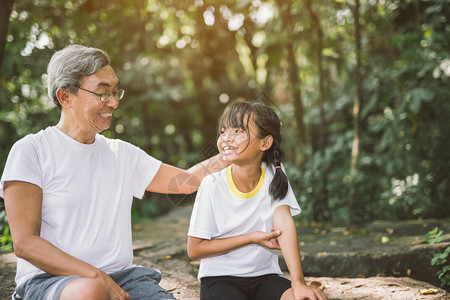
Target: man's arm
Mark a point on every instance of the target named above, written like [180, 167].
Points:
[23, 204]
[198, 248]
[282, 220]
[173, 180]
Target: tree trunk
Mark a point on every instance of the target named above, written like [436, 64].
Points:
[5, 13]
[293, 70]
[356, 113]
[297, 95]
[321, 205]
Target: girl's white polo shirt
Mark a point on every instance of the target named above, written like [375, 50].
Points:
[222, 211]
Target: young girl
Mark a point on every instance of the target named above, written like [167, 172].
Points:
[237, 208]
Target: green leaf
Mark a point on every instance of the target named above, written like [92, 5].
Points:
[433, 9]
[416, 96]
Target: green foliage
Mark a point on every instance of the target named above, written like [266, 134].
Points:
[181, 62]
[440, 259]
[434, 236]
[5, 237]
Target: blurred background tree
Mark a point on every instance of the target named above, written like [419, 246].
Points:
[362, 88]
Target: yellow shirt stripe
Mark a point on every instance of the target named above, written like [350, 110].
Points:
[238, 192]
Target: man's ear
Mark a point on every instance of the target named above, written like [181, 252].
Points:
[266, 143]
[64, 97]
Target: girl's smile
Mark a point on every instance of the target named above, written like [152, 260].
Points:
[237, 144]
[231, 140]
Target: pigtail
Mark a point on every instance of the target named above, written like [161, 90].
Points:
[279, 186]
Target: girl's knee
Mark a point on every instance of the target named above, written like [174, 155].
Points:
[288, 295]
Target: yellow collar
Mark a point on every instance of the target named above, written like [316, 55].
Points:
[238, 192]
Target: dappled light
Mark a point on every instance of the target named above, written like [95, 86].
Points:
[182, 62]
[361, 89]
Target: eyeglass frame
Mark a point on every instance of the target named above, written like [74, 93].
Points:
[108, 94]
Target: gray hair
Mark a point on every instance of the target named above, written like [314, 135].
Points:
[68, 66]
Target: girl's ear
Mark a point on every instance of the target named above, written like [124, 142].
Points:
[64, 97]
[266, 143]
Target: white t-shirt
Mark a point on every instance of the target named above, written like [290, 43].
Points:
[87, 194]
[221, 211]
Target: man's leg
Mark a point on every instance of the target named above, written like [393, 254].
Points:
[141, 283]
[43, 287]
[84, 289]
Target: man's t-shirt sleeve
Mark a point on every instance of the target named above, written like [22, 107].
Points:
[22, 164]
[144, 170]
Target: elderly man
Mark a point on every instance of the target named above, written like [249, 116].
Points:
[68, 191]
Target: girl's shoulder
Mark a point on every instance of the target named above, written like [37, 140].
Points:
[215, 178]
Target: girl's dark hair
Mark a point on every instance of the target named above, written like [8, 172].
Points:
[238, 115]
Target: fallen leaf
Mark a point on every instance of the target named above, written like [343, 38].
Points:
[319, 285]
[137, 227]
[428, 291]
[167, 256]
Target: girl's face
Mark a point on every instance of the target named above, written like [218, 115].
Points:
[240, 145]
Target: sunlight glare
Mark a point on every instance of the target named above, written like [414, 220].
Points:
[264, 13]
[236, 22]
[209, 18]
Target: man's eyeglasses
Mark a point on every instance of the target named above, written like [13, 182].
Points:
[105, 97]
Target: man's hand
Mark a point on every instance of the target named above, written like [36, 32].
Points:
[265, 239]
[115, 291]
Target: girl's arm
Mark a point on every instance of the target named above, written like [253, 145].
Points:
[282, 221]
[198, 248]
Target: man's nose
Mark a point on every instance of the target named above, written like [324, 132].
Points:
[113, 102]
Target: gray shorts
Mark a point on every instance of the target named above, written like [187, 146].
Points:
[139, 282]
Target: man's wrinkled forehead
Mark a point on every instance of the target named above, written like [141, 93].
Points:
[103, 78]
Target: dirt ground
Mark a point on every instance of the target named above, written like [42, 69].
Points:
[380, 260]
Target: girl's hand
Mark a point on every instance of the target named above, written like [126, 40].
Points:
[302, 292]
[265, 239]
